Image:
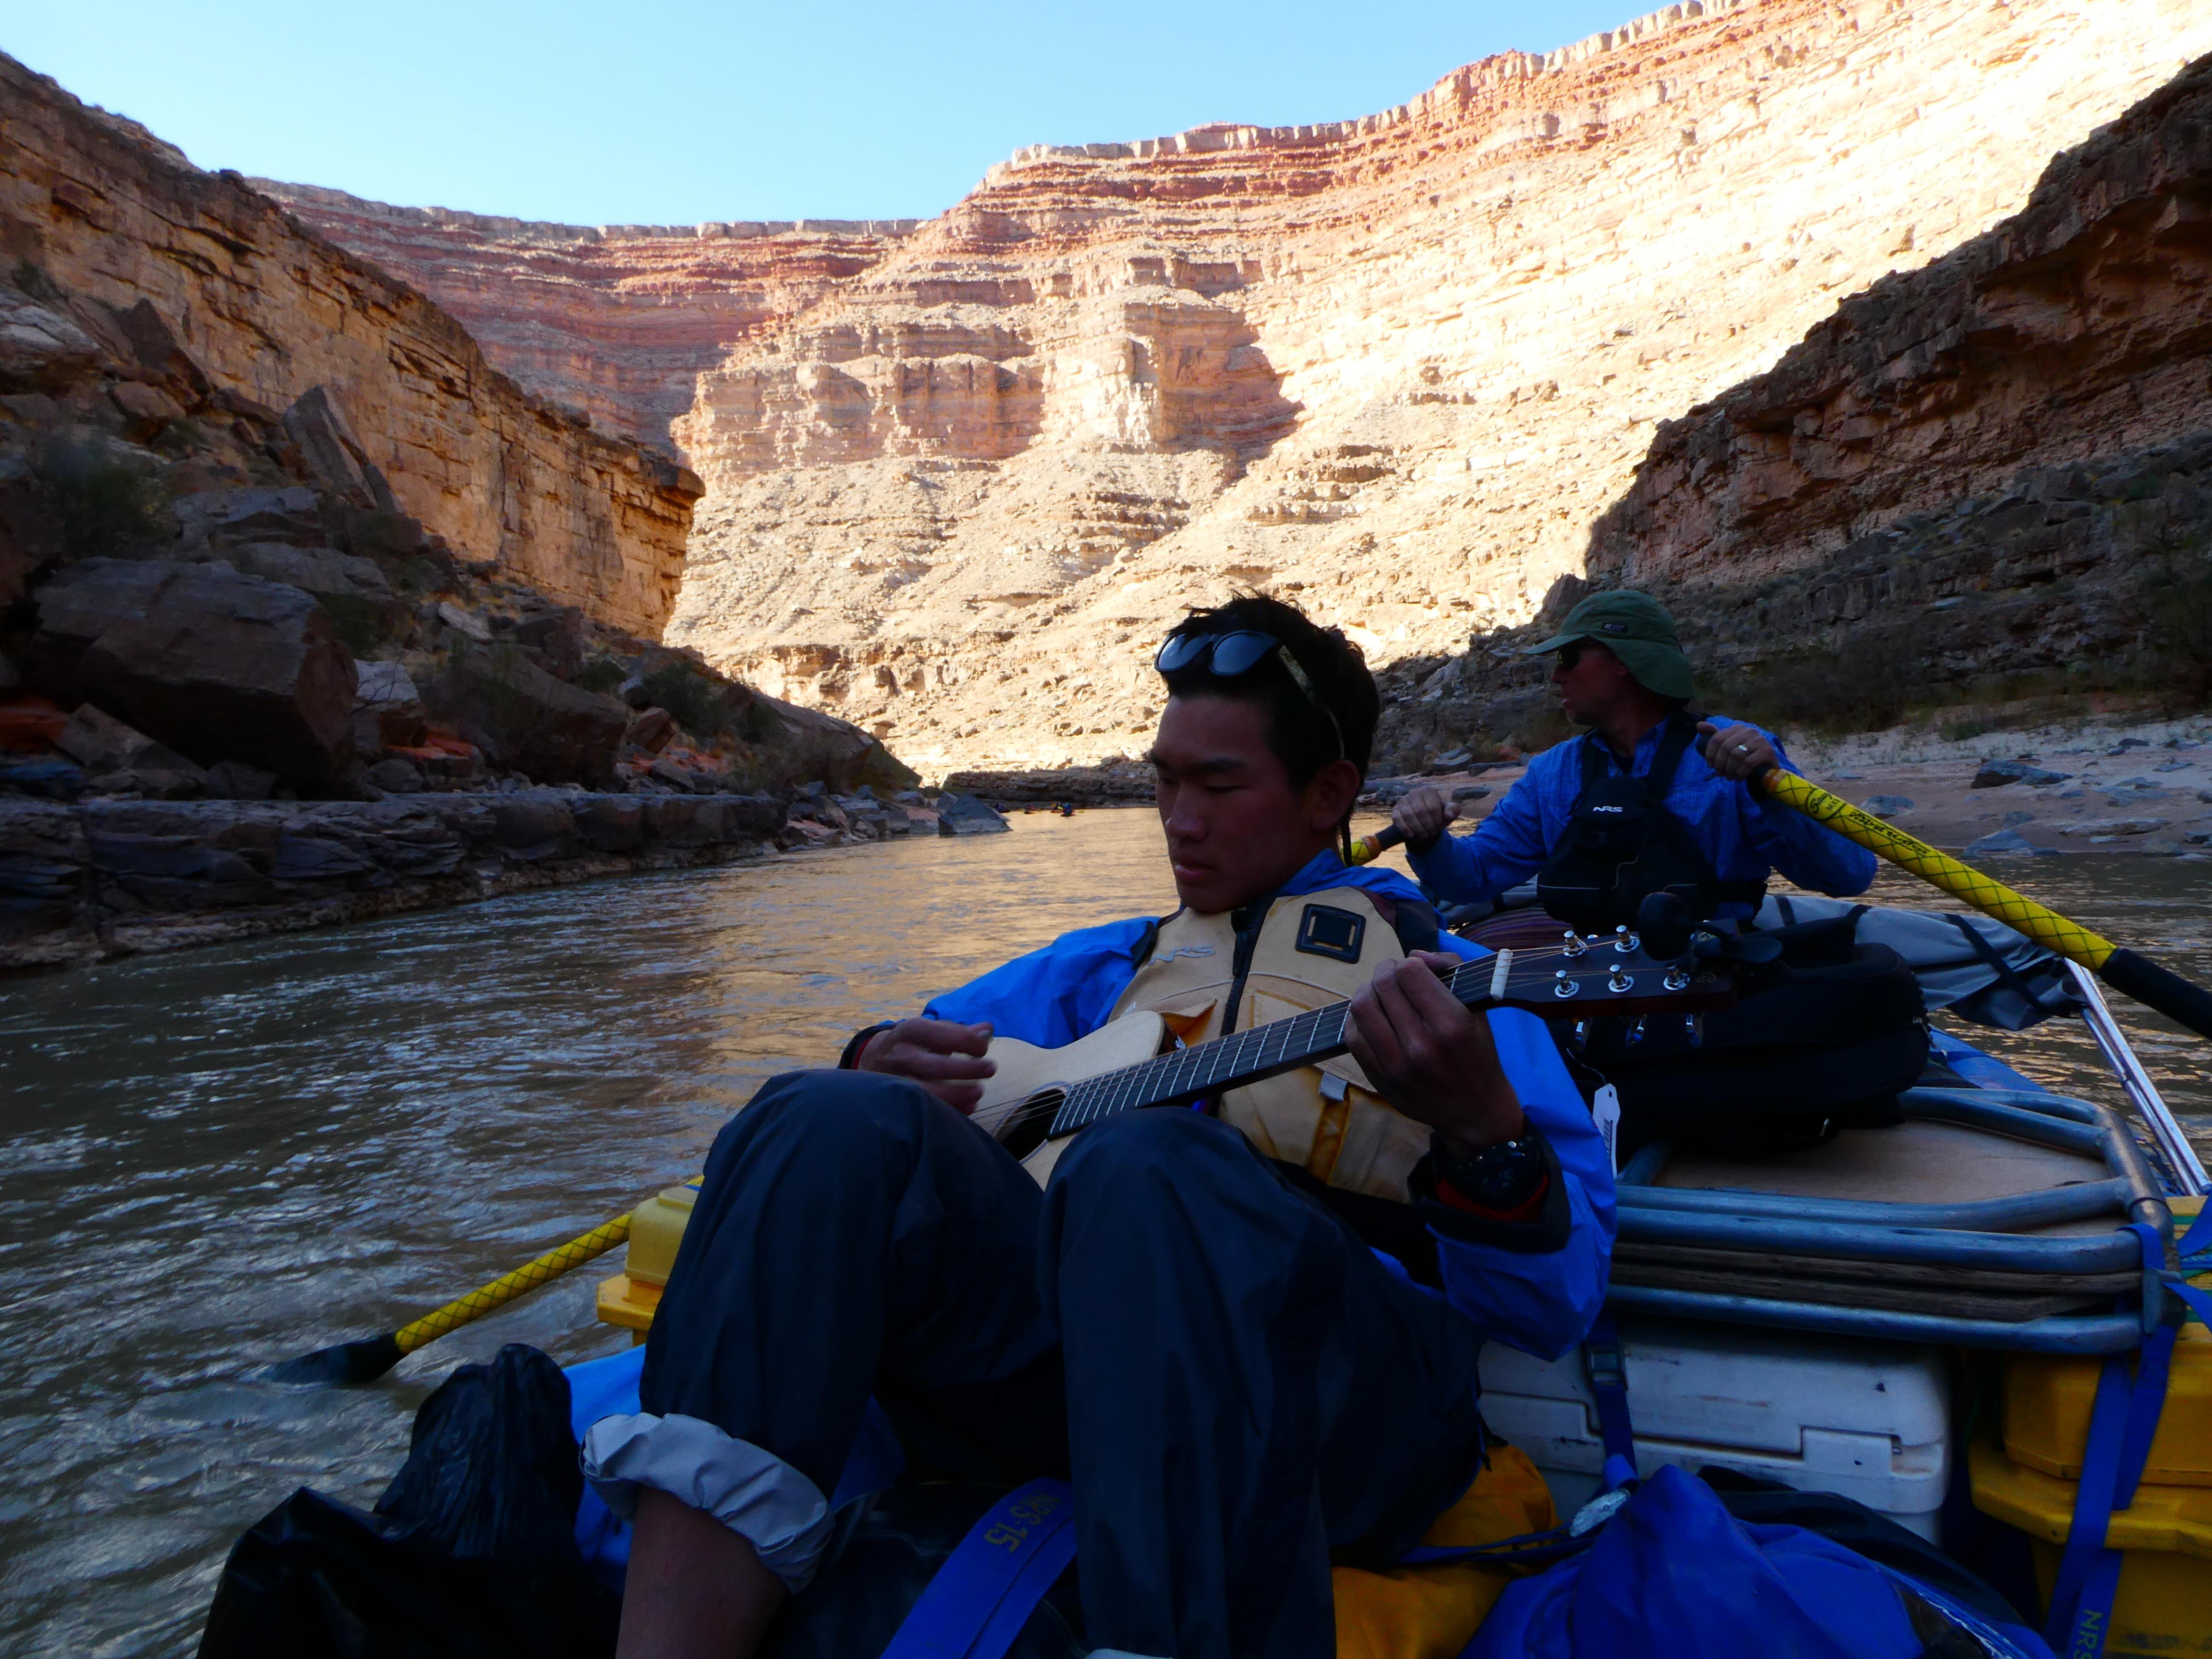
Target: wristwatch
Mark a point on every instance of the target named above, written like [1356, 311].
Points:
[1501, 1176]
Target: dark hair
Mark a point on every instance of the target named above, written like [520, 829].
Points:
[1299, 734]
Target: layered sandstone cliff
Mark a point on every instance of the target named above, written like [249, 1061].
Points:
[268, 310]
[1396, 368]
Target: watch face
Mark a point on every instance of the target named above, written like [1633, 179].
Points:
[1501, 1176]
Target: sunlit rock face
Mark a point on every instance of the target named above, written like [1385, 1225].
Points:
[267, 311]
[960, 476]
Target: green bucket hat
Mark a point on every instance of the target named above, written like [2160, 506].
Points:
[1635, 628]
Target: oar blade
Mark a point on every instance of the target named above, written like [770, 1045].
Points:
[342, 1366]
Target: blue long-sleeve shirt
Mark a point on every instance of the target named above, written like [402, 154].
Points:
[1541, 1302]
[1746, 835]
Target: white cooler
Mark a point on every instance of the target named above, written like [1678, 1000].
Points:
[1870, 1420]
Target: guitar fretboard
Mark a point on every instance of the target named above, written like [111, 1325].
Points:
[1283, 1045]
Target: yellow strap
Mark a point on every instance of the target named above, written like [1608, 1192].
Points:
[504, 1289]
[2046, 927]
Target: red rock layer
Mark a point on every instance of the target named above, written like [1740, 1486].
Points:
[617, 320]
[270, 309]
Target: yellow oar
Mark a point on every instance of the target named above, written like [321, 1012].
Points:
[2123, 969]
[370, 1358]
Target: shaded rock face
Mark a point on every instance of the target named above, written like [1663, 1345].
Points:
[219, 664]
[411, 418]
[961, 478]
[2080, 327]
[117, 878]
[1853, 532]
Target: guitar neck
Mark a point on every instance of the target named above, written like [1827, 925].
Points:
[1185, 1075]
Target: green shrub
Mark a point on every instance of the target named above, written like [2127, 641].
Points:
[2178, 593]
[601, 674]
[695, 700]
[1864, 689]
[109, 507]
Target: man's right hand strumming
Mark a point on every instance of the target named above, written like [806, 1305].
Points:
[1421, 816]
[944, 1056]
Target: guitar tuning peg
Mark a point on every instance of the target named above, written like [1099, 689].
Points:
[1574, 945]
[1636, 1031]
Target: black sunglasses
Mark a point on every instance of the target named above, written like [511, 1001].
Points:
[1227, 656]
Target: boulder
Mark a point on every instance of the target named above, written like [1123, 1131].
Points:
[2113, 826]
[651, 730]
[40, 349]
[217, 664]
[387, 710]
[555, 731]
[317, 424]
[351, 589]
[105, 747]
[1995, 774]
[236, 781]
[809, 743]
[219, 520]
[1888, 807]
[2003, 841]
[396, 776]
[963, 815]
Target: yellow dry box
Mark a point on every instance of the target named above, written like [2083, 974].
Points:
[656, 1229]
[2164, 1607]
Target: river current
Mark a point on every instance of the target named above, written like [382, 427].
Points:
[222, 1158]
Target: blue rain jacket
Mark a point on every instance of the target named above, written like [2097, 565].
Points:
[1540, 1303]
[1746, 835]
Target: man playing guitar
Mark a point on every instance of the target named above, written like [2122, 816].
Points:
[1248, 1333]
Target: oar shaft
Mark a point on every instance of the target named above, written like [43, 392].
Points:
[2125, 970]
[1990, 896]
[503, 1290]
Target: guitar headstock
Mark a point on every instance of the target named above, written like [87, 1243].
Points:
[1598, 975]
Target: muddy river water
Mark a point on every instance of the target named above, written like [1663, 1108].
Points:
[219, 1158]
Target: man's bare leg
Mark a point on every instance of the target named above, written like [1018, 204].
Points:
[697, 1590]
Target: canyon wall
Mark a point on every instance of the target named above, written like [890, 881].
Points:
[1395, 368]
[1989, 479]
[2081, 327]
[268, 309]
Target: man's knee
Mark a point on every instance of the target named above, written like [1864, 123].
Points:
[828, 1116]
[1163, 1149]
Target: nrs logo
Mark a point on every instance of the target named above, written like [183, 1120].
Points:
[1189, 951]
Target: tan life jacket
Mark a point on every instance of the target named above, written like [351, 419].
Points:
[1313, 950]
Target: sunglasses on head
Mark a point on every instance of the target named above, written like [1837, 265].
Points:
[1227, 656]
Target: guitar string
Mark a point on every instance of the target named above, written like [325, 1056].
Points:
[1087, 1101]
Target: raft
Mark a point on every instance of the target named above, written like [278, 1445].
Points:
[1915, 1316]
[1961, 1346]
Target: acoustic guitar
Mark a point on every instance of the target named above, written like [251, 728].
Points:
[1041, 1098]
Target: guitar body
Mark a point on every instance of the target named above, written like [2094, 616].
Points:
[1135, 1063]
[1040, 1077]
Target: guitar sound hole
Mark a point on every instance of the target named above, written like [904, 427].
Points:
[1025, 1126]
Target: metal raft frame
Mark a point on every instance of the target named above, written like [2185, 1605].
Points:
[1965, 1234]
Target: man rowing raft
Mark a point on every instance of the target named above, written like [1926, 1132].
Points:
[1248, 1334]
[1637, 803]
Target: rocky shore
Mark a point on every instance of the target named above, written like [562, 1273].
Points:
[99, 879]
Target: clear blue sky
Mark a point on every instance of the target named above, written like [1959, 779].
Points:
[676, 112]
